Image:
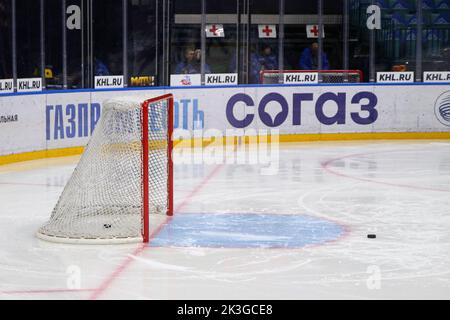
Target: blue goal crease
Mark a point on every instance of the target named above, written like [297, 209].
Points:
[238, 230]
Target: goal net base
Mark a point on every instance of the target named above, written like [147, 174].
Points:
[93, 241]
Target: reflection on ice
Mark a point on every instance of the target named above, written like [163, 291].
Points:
[301, 233]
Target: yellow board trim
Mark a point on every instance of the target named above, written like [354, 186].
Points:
[364, 136]
[53, 153]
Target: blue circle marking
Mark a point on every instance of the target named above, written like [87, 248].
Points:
[246, 231]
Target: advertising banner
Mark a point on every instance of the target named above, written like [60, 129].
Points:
[59, 120]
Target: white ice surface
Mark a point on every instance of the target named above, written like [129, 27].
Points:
[398, 190]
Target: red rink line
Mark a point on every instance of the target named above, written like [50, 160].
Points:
[45, 291]
[326, 166]
[108, 281]
[96, 292]
[189, 197]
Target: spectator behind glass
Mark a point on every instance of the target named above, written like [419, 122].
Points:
[191, 63]
[446, 57]
[100, 68]
[266, 60]
[3, 44]
[309, 59]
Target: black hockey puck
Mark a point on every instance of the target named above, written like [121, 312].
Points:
[371, 236]
[106, 226]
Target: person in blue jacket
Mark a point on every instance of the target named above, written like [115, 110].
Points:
[309, 59]
[191, 63]
[266, 60]
[100, 68]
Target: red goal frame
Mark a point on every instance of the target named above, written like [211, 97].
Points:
[145, 158]
[261, 74]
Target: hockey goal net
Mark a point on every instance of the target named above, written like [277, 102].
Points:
[123, 177]
[310, 76]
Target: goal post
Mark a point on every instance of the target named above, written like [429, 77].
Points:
[124, 176]
[310, 76]
[168, 98]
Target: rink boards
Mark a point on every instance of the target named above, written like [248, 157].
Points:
[57, 123]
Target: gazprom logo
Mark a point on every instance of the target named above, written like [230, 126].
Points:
[442, 108]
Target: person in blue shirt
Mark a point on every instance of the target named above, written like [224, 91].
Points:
[100, 68]
[191, 63]
[309, 59]
[266, 60]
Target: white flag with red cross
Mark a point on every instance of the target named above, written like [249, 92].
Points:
[215, 31]
[267, 31]
[312, 31]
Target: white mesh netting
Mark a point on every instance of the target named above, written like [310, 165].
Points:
[102, 201]
[333, 76]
